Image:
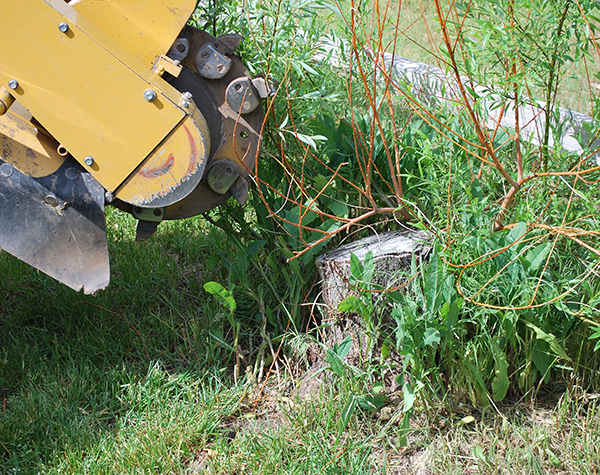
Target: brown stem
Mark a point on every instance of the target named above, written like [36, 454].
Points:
[549, 89]
[478, 129]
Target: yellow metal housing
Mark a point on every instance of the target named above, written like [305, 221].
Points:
[176, 164]
[27, 148]
[104, 105]
[146, 28]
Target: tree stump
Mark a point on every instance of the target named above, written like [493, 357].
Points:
[392, 254]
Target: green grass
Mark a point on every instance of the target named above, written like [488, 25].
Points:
[130, 381]
[139, 378]
[133, 380]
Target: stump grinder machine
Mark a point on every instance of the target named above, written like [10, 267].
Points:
[115, 102]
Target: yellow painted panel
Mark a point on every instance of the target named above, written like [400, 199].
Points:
[146, 28]
[84, 88]
[26, 148]
[174, 168]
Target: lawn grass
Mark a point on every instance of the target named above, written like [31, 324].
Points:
[139, 379]
[131, 381]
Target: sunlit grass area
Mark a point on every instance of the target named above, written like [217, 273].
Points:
[484, 362]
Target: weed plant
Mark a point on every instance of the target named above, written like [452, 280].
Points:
[132, 380]
[504, 306]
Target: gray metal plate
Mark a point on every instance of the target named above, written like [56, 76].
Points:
[56, 224]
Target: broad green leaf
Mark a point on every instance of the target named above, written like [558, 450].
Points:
[368, 268]
[350, 304]
[371, 403]
[221, 294]
[254, 247]
[356, 267]
[552, 458]
[431, 337]
[479, 454]
[320, 182]
[410, 394]
[344, 347]
[336, 363]
[596, 336]
[213, 261]
[501, 383]
[551, 340]
[449, 313]
[339, 209]
[348, 411]
[467, 420]
[433, 282]
[385, 351]
[409, 397]
[536, 256]
[517, 232]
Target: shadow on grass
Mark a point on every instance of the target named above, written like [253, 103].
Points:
[78, 371]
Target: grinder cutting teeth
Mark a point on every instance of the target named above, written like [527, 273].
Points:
[115, 103]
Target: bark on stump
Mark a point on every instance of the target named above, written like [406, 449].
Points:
[392, 254]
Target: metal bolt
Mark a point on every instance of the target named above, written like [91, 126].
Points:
[51, 200]
[186, 97]
[6, 170]
[109, 197]
[89, 160]
[149, 95]
[72, 173]
[13, 84]
[63, 27]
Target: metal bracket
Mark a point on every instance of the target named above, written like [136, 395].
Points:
[6, 100]
[211, 64]
[166, 64]
[241, 96]
[154, 215]
[222, 175]
[179, 50]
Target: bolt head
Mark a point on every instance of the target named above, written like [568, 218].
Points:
[187, 96]
[89, 160]
[51, 200]
[6, 170]
[13, 84]
[149, 95]
[63, 27]
[109, 197]
[72, 173]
